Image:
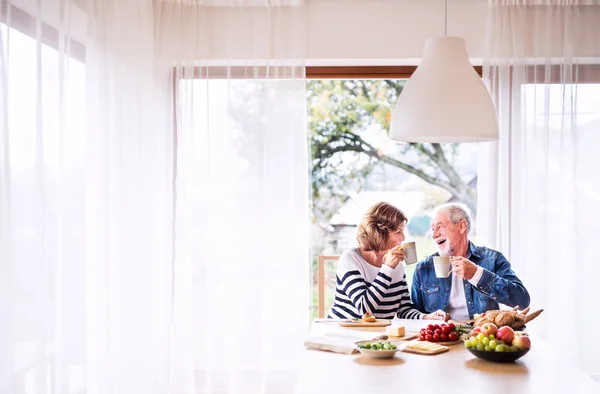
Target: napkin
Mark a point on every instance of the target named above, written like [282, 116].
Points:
[331, 344]
[338, 342]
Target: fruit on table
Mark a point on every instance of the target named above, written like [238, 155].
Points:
[513, 318]
[521, 342]
[491, 343]
[506, 334]
[474, 332]
[441, 333]
[489, 329]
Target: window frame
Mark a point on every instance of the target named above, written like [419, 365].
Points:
[15, 18]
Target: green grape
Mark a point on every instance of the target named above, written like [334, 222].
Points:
[485, 341]
[500, 348]
[493, 344]
[491, 336]
[513, 349]
[488, 349]
[480, 346]
[480, 336]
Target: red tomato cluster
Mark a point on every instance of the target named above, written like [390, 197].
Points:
[439, 333]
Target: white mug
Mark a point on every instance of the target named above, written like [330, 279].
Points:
[442, 266]
[410, 253]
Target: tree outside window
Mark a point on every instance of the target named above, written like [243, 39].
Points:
[354, 165]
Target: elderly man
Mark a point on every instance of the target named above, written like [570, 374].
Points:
[480, 279]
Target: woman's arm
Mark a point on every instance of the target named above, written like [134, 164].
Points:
[407, 309]
[364, 297]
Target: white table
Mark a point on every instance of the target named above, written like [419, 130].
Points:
[456, 371]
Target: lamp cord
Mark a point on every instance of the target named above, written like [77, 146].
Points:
[445, 18]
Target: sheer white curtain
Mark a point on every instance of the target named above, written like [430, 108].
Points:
[42, 194]
[153, 196]
[242, 188]
[539, 193]
[129, 201]
[86, 200]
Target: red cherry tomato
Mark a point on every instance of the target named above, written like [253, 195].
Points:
[421, 338]
[430, 327]
[436, 338]
[437, 332]
[445, 330]
[429, 337]
[451, 326]
[453, 336]
[429, 332]
[444, 337]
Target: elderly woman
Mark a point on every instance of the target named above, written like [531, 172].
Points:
[371, 278]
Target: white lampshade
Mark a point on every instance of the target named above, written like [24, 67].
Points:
[445, 99]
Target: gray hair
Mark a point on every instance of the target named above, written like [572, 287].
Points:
[455, 213]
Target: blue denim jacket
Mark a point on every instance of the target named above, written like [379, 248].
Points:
[498, 284]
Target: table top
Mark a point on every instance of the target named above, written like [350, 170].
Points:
[457, 371]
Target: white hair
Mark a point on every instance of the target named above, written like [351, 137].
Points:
[455, 213]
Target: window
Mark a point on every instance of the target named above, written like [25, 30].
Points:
[355, 165]
[45, 115]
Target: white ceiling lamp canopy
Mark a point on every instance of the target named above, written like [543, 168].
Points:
[445, 99]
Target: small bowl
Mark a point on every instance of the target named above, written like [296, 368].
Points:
[379, 353]
[499, 357]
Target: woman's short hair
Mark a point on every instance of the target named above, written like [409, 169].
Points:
[377, 224]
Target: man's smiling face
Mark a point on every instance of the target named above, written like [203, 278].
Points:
[446, 235]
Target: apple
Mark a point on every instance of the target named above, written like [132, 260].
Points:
[506, 334]
[520, 334]
[474, 332]
[489, 329]
[522, 342]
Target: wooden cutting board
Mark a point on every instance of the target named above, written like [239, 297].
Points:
[434, 348]
[378, 323]
[408, 337]
[449, 343]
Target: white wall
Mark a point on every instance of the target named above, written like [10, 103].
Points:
[389, 31]
[337, 31]
[343, 31]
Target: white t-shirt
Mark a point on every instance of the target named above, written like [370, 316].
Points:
[457, 305]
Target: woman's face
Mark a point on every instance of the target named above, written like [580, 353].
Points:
[395, 238]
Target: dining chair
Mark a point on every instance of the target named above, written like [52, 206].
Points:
[321, 282]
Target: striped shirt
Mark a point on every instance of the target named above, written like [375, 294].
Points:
[362, 288]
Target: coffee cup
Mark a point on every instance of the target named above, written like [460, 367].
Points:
[410, 253]
[442, 266]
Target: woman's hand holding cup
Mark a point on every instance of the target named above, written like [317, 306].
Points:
[394, 256]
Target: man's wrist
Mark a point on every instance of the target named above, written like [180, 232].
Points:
[476, 276]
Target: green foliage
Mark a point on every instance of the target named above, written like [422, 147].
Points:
[340, 111]
[419, 225]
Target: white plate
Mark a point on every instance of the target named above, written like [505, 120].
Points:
[380, 353]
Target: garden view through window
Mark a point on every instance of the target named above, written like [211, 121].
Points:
[355, 165]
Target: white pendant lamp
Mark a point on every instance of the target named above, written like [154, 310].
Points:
[444, 100]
